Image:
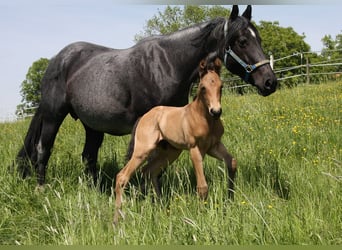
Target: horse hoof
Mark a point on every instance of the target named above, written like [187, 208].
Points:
[40, 188]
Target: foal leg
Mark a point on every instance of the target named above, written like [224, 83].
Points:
[122, 179]
[161, 159]
[197, 161]
[142, 149]
[220, 152]
[93, 142]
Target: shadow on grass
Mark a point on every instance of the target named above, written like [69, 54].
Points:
[269, 174]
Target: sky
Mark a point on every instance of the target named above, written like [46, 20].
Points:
[33, 29]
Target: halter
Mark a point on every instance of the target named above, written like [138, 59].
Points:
[249, 68]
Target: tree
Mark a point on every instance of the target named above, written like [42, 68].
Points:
[30, 87]
[332, 47]
[332, 52]
[175, 18]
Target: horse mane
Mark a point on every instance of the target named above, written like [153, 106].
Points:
[212, 28]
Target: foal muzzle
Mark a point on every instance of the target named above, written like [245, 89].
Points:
[216, 113]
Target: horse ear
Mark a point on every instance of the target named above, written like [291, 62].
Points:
[248, 12]
[235, 12]
[217, 65]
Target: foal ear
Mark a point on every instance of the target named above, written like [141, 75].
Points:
[234, 13]
[217, 65]
[248, 12]
[202, 67]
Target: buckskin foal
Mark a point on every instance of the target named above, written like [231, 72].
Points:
[196, 127]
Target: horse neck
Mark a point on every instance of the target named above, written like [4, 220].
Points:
[195, 43]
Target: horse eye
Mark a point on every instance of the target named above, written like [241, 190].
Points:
[203, 89]
[243, 42]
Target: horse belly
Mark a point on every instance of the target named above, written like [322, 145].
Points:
[99, 98]
[103, 112]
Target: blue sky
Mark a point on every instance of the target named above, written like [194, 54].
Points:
[37, 28]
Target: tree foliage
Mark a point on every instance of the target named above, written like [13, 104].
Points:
[332, 52]
[174, 18]
[30, 87]
[332, 47]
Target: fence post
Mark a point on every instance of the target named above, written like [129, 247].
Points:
[307, 70]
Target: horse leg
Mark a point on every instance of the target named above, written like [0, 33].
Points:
[220, 152]
[93, 142]
[197, 161]
[28, 153]
[162, 157]
[49, 131]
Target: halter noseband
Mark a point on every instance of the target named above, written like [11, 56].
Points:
[249, 68]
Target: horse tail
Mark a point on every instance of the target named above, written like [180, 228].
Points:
[28, 153]
[130, 149]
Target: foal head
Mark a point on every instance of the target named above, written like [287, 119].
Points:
[210, 86]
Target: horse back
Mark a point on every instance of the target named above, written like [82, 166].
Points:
[71, 58]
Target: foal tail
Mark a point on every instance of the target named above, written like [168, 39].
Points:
[28, 153]
[130, 149]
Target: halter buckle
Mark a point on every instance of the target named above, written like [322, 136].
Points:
[249, 68]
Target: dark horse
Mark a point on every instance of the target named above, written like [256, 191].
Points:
[108, 89]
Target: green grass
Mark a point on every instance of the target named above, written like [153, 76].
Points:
[288, 187]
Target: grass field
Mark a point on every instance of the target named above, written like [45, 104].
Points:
[288, 188]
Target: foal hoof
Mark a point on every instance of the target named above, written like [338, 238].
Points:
[202, 192]
[117, 215]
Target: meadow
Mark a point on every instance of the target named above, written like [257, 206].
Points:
[288, 187]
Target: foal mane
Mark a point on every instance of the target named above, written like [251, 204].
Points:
[211, 63]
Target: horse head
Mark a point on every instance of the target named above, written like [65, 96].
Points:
[210, 86]
[242, 53]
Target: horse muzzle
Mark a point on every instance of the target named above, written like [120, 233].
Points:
[269, 87]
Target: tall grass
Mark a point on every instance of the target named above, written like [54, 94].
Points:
[288, 187]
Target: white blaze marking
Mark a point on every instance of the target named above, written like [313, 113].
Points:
[252, 32]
